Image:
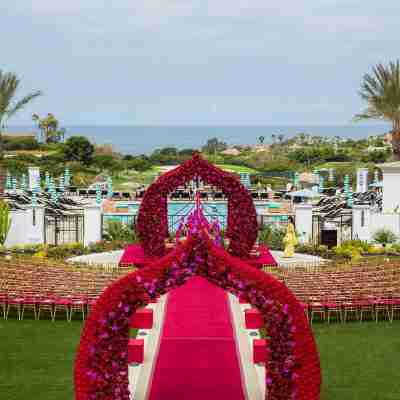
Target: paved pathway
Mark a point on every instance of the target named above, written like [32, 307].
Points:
[112, 258]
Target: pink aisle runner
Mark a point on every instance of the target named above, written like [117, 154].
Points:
[197, 359]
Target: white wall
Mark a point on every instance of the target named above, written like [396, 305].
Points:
[24, 229]
[391, 189]
[362, 228]
[373, 222]
[35, 225]
[303, 214]
[385, 220]
[92, 232]
[17, 233]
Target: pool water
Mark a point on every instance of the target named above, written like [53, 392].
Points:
[181, 207]
[177, 210]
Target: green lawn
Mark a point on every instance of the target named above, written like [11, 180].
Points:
[359, 361]
[226, 167]
[237, 168]
[342, 164]
[36, 359]
[127, 179]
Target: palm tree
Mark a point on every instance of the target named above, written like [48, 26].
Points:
[8, 108]
[261, 139]
[381, 91]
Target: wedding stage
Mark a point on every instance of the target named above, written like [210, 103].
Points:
[134, 255]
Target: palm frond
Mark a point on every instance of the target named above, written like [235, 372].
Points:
[22, 103]
[8, 89]
[381, 91]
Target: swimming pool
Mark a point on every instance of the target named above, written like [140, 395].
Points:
[176, 207]
[179, 209]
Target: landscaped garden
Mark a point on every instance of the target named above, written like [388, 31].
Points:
[359, 361]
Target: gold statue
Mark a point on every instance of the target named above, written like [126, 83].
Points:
[290, 240]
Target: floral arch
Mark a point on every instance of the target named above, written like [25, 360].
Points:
[152, 221]
[101, 364]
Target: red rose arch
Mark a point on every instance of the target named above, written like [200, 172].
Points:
[101, 365]
[152, 221]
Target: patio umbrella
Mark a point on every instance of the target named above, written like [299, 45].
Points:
[377, 184]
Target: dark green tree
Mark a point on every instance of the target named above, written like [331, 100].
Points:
[166, 155]
[185, 154]
[104, 162]
[214, 145]
[377, 156]
[139, 163]
[78, 148]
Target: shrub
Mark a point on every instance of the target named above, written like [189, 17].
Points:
[396, 247]
[66, 250]
[264, 234]
[384, 236]
[345, 252]
[116, 230]
[40, 254]
[307, 248]
[376, 250]
[360, 245]
[5, 221]
[272, 236]
[322, 250]
[20, 143]
[103, 246]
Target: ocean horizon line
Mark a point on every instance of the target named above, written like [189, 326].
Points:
[144, 139]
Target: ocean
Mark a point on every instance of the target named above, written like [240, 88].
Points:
[145, 139]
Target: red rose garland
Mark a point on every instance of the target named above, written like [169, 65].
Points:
[152, 221]
[101, 366]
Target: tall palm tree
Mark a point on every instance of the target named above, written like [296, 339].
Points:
[381, 91]
[8, 106]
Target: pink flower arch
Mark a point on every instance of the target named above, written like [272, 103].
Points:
[152, 221]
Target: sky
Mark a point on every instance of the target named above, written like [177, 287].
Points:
[186, 62]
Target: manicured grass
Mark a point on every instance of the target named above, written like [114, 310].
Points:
[237, 168]
[359, 361]
[342, 164]
[124, 182]
[36, 359]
